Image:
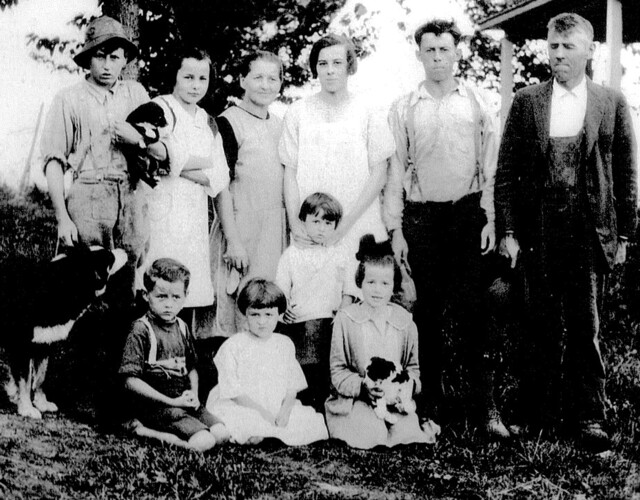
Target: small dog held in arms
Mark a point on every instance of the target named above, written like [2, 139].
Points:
[397, 389]
[147, 119]
[39, 304]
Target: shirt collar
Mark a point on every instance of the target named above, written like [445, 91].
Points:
[398, 317]
[100, 93]
[200, 119]
[579, 91]
[423, 93]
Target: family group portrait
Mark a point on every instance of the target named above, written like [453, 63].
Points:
[363, 249]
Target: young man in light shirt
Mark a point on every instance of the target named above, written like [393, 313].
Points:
[438, 206]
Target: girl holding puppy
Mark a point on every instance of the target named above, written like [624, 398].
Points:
[373, 328]
[178, 205]
[259, 377]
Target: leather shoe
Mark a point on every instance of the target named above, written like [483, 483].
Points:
[495, 428]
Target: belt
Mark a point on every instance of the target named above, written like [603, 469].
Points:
[450, 203]
[96, 177]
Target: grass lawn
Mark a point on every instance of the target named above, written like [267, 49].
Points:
[68, 456]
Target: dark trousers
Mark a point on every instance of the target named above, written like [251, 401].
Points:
[450, 274]
[312, 340]
[565, 375]
[564, 273]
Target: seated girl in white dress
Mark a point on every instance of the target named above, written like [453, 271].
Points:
[259, 377]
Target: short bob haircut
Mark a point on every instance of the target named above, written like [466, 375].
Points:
[260, 55]
[166, 269]
[568, 21]
[187, 52]
[316, 202]
[330, 41]
[259, 293]
[371, 253]
[438, 27]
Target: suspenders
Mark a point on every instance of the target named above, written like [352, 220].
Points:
[478, 119]
[153, 350]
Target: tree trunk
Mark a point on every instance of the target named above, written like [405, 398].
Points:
[125, 11]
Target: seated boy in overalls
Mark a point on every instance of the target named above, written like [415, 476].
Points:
[158, 366]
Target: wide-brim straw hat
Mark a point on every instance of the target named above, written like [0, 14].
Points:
[101, 30]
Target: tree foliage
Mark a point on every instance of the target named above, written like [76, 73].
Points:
[483, 66]
[228, 30]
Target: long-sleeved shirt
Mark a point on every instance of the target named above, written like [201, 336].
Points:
[356, 338]
[445, 149]
[79, 129]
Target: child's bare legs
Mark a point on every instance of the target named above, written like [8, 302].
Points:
[202, 441]
[165, 437]
[198, 432]
[220, 432]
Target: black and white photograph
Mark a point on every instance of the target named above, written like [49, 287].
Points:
[319, 249]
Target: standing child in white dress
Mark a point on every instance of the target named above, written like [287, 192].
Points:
[317, 280]
[259, 377]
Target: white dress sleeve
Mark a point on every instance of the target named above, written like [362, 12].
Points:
[296, 381]
[177, 150]
[218, 175]
[289, 140]
[380, 143]
[283, 275]
[226, 362]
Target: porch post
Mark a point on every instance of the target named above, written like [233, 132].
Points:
[506, 76]
[614, 42]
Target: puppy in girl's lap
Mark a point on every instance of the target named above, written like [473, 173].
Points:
[395, 387]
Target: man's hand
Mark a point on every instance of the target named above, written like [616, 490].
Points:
[125, 133]
[399, 245]
[67, 231]
[488, 238]
[510, 248]
[621, 252]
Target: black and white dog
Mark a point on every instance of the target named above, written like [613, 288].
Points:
[39, 304]
[397, 389]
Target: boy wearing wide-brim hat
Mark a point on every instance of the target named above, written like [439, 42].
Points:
[84, 133]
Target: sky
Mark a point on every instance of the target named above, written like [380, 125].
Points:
[27, 86]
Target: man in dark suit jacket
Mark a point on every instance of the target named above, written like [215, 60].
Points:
[565, 194]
